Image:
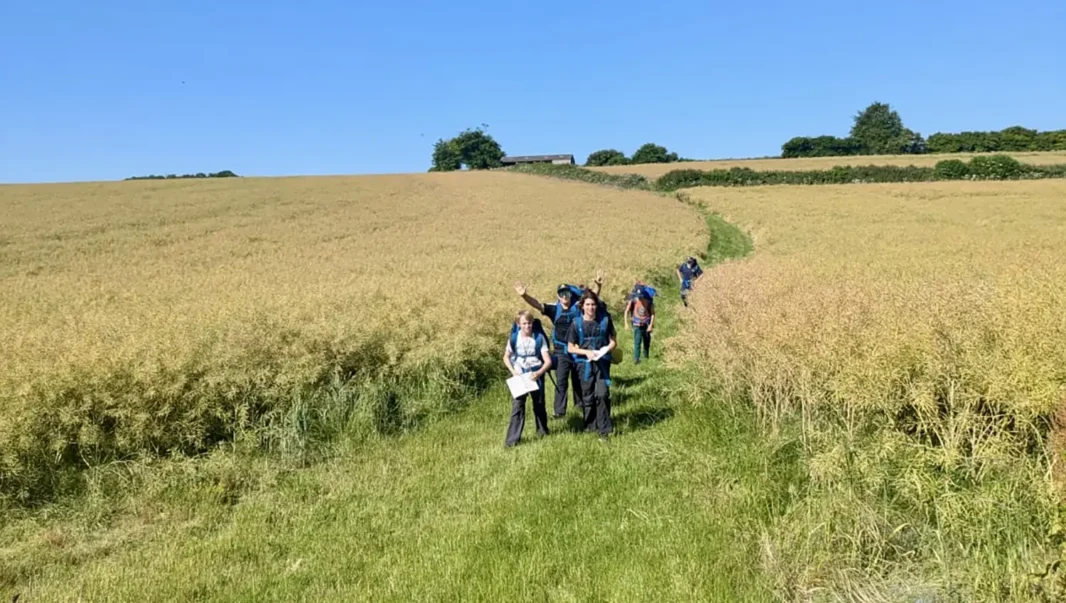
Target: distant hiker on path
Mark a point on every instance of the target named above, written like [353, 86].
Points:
[641, 307]
[527, 354]
[591, 339]
[561, 314]
[689, 272]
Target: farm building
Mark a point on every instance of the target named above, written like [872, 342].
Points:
[555, 159]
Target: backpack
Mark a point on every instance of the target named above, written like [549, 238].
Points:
[539, 336]
[610, 358]
[644, 291]
[559, 338]
[575, 291]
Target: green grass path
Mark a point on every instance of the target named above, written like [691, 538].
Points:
[670, 509]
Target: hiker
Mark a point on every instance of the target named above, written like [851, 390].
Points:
[591, 332]
[689, 272]
[561, 314]
[527, 353]
[641, 307]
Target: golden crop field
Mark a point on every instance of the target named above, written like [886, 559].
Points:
[892, 297]
[912, 338]
[129, 308]
[654, 170]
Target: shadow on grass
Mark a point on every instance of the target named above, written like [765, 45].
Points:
[627, 421]
[627, 380]
[642, 418]
[630, 389]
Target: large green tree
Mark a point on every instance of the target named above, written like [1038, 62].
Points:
[653, 153]
[879, 130]
[472, 148]
[606, 157]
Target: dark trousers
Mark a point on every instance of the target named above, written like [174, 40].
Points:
[565, 375]
[518, 414]
[641, 336]
[596, 401]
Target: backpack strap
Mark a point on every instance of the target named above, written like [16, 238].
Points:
[605, 362]
[514, 342]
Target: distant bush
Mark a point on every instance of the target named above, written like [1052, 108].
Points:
[1013, 139]
[222, 174]
[676, 179]
[573, 172]
[653, 153]
[819, 146]
[951, 169]
[1057, 170]
[606, 157]
[684, 178]
[996, 167]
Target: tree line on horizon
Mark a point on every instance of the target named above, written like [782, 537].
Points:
[879, 130]
[475, 149]
[222, 174]
[876, 130]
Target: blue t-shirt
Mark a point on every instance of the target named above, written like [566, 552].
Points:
[688, 272]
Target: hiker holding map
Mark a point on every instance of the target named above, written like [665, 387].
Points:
[561, 314]
[590, 340]
[528, 358]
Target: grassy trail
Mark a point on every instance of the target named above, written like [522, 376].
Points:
[669, 509]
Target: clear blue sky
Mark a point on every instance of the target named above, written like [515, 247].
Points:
[104, 90]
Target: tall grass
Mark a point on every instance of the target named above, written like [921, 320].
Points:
[150, 318]
[909, 339]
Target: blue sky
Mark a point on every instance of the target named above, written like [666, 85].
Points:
[103, 90]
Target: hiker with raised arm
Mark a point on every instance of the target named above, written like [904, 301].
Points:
[527, 354]
[688, 272]
[591, 340]
[561, 314]
[640, 306]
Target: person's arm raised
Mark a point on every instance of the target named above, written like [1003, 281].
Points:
[520, 289]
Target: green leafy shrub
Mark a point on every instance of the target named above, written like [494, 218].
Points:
[573, 172]
[606, 157]
[653, 153]
[996, 167]
[684, 178]
[951, 169]
[676, 179]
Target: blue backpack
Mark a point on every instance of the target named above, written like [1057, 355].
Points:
[539, 336]
[559, 338]
[594, 343]
[644, 291]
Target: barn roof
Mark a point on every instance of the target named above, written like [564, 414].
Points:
[519, 158]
